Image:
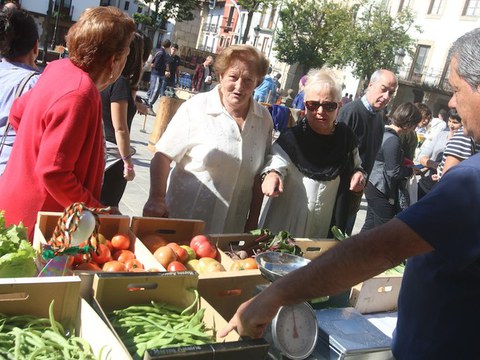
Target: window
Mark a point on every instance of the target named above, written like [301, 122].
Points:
[434, 8]
[403, 5]
[127, 5]
[104, 2]
[139, 9]
[419, 60]
[271, 18]
[472, 8]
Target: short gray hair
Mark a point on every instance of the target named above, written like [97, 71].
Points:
[466, 50]
[323, 78]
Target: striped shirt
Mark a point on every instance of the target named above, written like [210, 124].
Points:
[459, 146]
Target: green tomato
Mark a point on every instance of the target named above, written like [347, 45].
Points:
[190, 252]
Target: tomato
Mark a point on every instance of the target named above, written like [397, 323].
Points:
[153, 241]
[206, 249]
[123, 255]
[134, 265]
[114, 265]
[80, 258]
[176, 266]
[102, 255]
[92, 266]
[109, 245]
[121, 242]
[197, 240]
[181, 253]
[237, 265]
[249, 264]
[165, 255]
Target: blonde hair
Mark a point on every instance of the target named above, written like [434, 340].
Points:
[246, 53]
[324, 78]
[99, 33]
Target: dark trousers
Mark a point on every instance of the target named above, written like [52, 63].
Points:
[114, 185]
[379, 209]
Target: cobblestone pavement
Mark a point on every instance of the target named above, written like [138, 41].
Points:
[136, 193]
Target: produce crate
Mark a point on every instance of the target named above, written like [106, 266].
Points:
[109, 226]
[378, 294]
[112, 292]
[175, 230]
[32, 296]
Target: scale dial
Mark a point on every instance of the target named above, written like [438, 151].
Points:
[295, 330]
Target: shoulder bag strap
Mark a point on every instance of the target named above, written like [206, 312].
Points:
[18, 93]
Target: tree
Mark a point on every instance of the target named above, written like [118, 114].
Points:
[311, 32]
[315, 33]
[253, 6]
[375, 38]
[180, 10]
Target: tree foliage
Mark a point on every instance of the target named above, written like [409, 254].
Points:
[253, 6]
[322, 32]
[180, 10]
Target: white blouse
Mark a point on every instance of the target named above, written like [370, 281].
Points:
[216, 162]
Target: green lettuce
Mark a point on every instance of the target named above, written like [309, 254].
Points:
[17, 256]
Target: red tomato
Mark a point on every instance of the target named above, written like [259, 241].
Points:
[206, 249]
[88, 266]
[134, 265]
[121, 242]
[123, 255]
[197, 240]
[109, 245]
[113, 266]
[176, 266]
[103, 255]
[181, 253]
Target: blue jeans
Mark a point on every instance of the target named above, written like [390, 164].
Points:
[158, 84]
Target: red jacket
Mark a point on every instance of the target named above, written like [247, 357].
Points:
[58, 155]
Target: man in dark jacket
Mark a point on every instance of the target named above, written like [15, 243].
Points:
[158, 80]
[202, 77]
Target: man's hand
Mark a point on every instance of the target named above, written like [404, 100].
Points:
[272, 185]
[155, 208]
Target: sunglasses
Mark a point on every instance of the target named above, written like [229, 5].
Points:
[327, 106]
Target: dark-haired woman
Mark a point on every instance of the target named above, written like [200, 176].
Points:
[313, 166]
[389, 169]
[118, 110]
[19, 49]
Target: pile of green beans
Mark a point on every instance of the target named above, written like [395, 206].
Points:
[30, 337]
[159, 325]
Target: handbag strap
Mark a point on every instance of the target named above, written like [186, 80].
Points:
[18, 93]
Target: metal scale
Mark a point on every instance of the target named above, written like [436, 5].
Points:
[295, 334]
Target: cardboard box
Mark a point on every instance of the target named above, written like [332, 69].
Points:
[32, 296]
[109, 226]
[112, 292]
[175, 230]
[378, 294]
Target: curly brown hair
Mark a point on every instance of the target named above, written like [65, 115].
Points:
[99, 33]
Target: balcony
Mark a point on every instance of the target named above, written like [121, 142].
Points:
[210, 28]
[426, 78]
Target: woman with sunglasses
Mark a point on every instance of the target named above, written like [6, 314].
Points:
[313, 166]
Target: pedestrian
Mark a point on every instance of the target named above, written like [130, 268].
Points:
[58, 155]
[265, 91]
[307, 192]
[389, 171]
[298, 102]
[158, 75]
[277, 94]
[19, 49]
[345, 99]
[440, 236]
[203, 75]
[173, 68]
[118, 110]
[218, 141]
[365, 116]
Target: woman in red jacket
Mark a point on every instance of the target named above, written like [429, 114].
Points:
[58, 155]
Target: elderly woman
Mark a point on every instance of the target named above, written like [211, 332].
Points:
[218, 141]
[58, 155]
[313, 167]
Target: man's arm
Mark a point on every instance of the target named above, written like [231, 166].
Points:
[159, 170]
[356, 259]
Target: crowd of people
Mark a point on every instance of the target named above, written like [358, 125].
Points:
[219, 162]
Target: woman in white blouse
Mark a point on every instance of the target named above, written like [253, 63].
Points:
[314, 166]
[218, 141]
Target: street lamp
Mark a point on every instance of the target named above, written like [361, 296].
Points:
[256, 30]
